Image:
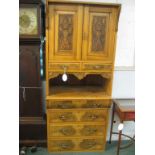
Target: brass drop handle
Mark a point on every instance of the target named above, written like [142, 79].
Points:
[97, 67]
[67, 131]
[64, 145]
[64, 67]
[90, 130]
[68, 116]
[86, 144]
[62, 105]
[96, 105]
[65, 105]
[93, 116]
[63, 117]
[91, 144]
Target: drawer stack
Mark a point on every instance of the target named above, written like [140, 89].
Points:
[75, 125]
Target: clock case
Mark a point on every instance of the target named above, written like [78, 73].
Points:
[32, 123]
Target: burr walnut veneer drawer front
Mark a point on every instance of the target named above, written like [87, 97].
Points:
[76, 144]
[71, 104]
[64, 66]
[77, 115]
[96, 67]
[76, 130]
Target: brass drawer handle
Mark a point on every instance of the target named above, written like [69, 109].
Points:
[92, 116]
[93, 105]
[94, 66]
[88, 143]
[66, 145]
[64, 67]
[67, 131]
[66, 105]
[88, 130]
[97, 67]
[67, 117]
[63, 117]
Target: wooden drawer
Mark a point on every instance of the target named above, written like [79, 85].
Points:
[76, 130]
[70, 104]
[66, 66]
[76, 144]
[96, 67]
[77, 115]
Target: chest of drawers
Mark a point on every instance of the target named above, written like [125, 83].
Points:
[80, 42]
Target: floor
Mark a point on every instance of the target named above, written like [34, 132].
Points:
[110, 150]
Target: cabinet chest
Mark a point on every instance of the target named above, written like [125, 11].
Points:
[80, 43]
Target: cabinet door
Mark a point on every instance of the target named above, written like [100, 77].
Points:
[30, 102]
[98, 39]
[65, 32]
[29, 65]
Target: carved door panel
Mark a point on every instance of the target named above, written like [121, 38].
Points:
[65, 32]
[97, 33]
[29, 66]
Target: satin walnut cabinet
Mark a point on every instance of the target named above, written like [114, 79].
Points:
[80, 42]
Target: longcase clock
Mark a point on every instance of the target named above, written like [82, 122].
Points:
[32, 126]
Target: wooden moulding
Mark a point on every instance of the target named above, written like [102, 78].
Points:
[80, 75]
[93, 2]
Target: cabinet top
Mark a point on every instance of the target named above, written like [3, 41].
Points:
[97, 2]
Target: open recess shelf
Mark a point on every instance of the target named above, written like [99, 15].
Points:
[91, 86]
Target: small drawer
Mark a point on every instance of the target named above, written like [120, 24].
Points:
[76, 144]
[64, 66]
[96, 67]
[65, 116]
[65, 104]
[71, 104]
[77, 115]
[76, 130]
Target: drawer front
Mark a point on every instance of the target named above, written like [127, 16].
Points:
[71, 104]
[78, 115]
[76, 144]
[61, 145]
[76, 130]
[96, 67]
[62, 66]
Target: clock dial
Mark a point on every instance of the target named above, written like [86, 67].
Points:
[28, 24]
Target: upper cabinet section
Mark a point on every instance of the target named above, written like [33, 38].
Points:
[98, 33]
[65, 32]
[81, 32]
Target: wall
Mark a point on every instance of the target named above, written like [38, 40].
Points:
[123, 87]
[124, 75]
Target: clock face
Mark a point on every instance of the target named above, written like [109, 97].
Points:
[28, 23]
